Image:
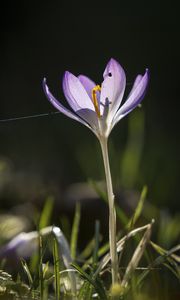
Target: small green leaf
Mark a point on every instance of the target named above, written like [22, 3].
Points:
[75, 231]
[138, 209]
[27, 271]
[56, 269]
[46, 213]
[96, 246]
[98, 287]
[86, 291]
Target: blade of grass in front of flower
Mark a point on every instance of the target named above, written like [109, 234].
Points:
[75, 231]
[56, 269]
[136, 256]
[34, 259]
[27, 272]
[138, 209]
[66, 255]
[45, 269]
[46, 213]
[101, 291]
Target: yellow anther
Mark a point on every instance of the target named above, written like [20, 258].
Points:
[95, 100]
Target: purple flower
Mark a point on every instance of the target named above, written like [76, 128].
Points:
[99, 107]
[22, 245]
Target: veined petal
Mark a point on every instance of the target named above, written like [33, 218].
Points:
[135, 97]
[60, 107]
[88, 84]
[113, 86]
[75, 93]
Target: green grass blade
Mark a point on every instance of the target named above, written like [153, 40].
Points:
[27, 271]
[87, 251]
[75, 231]
[56, 269]
[41, 279]
[96, 246]
[162, 259]
[86, 291]
[65, 254]
[46, 213]
[98, 287]
[138, 209]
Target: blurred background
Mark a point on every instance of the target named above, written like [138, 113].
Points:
[57, 157]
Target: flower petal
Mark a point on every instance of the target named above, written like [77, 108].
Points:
[59, 106]
[90, 117]
[135, 97]
[88, 84]
[113, 86]
[75, 93]
[136, 82]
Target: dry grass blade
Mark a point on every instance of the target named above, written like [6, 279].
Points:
[138, 253]
[120, 245]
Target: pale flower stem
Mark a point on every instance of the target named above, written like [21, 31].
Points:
[112, 212]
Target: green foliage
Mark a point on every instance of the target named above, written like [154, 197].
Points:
[132, 154]
[138, 209]
[75, 231]
[56, 269]
[87, 275]
[46, 213]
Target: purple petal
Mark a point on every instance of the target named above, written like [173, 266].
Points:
[136, 82]
[113, 86]
[59, 106]
[135, 97]
[75, 93]
[88, 84]
[90, 117]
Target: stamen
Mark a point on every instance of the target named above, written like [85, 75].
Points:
[95, 100]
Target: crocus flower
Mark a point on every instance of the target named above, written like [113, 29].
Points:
[22, 245]
[99, 107]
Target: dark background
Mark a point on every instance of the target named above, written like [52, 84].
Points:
[39, 39]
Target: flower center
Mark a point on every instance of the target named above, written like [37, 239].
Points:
[96, 89]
